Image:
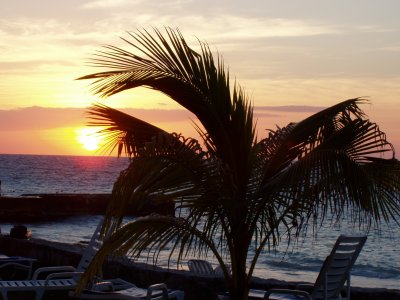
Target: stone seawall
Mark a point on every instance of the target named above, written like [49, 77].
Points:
[40, 207]
[196, 288]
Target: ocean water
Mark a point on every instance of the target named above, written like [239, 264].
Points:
[377, 266]
[34, 174]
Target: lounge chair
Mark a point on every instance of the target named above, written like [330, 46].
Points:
[335, 272]
[17, 263]
[64, 277]
[154, 292]
[199, 266]
[62, 280]
[58, 278]
[203, 267]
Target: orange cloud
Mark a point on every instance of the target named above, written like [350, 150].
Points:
[40, 130]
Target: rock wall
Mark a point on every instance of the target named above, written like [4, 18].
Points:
[39, 207]
[196, 288]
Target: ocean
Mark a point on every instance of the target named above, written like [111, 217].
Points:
[377, 266]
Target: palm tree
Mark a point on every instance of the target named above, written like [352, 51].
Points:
[231, 191]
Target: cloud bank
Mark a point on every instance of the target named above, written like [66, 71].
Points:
[34, 118]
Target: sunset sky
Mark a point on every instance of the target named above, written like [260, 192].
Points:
[292, 57]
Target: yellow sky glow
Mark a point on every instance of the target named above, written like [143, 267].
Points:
[89, 138]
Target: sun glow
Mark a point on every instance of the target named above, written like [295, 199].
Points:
[89, 138]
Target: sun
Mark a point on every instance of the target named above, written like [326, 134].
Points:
[88, 138]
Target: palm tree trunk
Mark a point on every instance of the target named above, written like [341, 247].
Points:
[239, 288]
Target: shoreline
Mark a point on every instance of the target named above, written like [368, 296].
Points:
[196, 288]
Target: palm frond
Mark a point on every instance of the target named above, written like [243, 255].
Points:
[150, 234]
[191, 79]
[321, 166]
[337, 123]
[122, 131]
[167, 168]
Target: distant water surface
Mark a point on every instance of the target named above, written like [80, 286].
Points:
[34, 174]
[377, 266]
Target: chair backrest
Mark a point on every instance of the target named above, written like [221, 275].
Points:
[91, 249]
[337, 266]
[200, 266]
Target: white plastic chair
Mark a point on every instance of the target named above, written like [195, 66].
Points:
[335, 272]
[153, 292]
[67, 277]
[59, 277]
[17, 263]
[203, 267]
[62, 280]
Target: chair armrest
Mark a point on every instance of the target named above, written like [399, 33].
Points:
[287, 292]
[40, 271]
[61, 275]
[15, 264]
[22, 263]
[157, 287]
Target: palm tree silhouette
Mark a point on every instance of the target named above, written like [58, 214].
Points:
[232, 193]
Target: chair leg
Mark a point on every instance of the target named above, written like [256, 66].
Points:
[39, 293]
[348, 287]
[4, 294]
[179, 295]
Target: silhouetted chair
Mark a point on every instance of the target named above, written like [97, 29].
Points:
[65, 278]
[335, 272]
